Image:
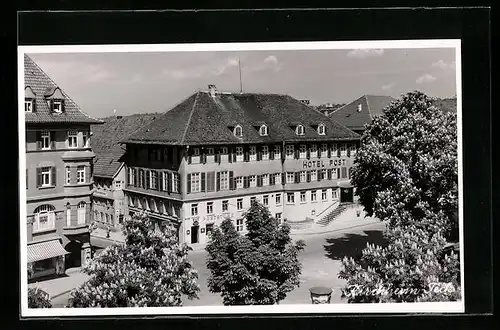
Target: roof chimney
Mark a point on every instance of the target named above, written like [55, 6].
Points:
[212, 90]
[360, 107]
[305, 101]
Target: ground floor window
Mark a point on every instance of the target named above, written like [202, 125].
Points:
[239, 225]
[290, 198]
[278, 217]
[46, 266]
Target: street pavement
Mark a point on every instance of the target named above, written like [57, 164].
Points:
[321, 260]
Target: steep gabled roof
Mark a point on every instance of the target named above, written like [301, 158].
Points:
[371, 105]
[41, 84]
[106, 137]
[205, 119]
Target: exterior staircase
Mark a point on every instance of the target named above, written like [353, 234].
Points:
[325, 221]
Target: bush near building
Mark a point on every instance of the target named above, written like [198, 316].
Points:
[37, 298]
[258, 268]
[406, 174]
[150, 270]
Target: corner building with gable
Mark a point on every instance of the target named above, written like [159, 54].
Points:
[211, 155]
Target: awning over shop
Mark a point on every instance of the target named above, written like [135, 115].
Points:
[45, 250]
[345, 184]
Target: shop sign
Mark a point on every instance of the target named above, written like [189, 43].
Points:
[310, 164]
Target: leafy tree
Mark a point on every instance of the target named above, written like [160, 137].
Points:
[258, 268]
[406, 171]
[37, 298]
[406, 174]
[150, 270]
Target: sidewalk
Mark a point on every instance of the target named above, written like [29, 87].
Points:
[61, 285]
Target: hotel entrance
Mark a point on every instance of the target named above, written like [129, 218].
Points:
[195, 234]
[346, 195]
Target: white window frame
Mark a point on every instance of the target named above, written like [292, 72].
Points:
[277, 178]
[290, 198]
[343, 149]
[252, 181]
[224, 180]
[324, 150]
[324, 196]
[72, 139]
[225, 205]
[239, 224]
[334, 194]
[333, 150]
[210, 207]
[239, 154]
[313, 196]
[195, 182]
[289, 151]
[290, 177]
[265, 180]
[68, 216]
[303, 176]
[81, 209]
[131, 176]
[263, 131]
[239, 204]
[153, 180]
[45, 136]
[353, 149]
[86, 139]
[46, 173]
[299, 130]
[265, 152]
[194, 210]
[277, 151]
[302, 196]
[314, 175]
[57, 106]
[277, 199]
[175, 182]
[321, 129]
[28, 105]
[80, 174]
[239, 182]
[196, 158]
[265, 200]
[303, 151]
[45, 211]
[314, 151]
[238, 131]
[253, 153]
[278, 217]
[118, 185]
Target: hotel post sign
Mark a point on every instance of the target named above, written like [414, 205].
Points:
[319, 164]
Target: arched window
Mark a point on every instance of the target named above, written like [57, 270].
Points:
[81, 208]
[238, 131]
[321, 129]
[263, 130]
[44, 218]
[299, 130]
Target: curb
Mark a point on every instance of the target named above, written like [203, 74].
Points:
[334, 230]
[60, 294]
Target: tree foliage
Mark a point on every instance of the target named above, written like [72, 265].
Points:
[406, 171]
[258, 268]
[406, 174]
[37, 298]
[150, 270]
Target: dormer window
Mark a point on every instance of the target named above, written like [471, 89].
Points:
[57, 106]
[29, 100]
[321, 129]
[55, 99]
[299, 130]
[360, 107]
[263, 130]
[238, 131]
[28, 105]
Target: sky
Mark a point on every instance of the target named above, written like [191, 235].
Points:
[143, 82]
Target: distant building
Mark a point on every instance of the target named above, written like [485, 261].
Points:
[213, 154]
[109, 206]
[359, 112]
[328, 108]
[58, 175]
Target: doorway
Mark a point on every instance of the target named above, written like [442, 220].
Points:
[346, 195]
[74, 258]
[194, 234]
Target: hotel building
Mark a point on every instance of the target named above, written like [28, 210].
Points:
[211, 155]
[58, 175]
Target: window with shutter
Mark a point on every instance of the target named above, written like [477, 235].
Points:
[54, 176]
[344, 172]
[245, 182]
[188, 182]
[272, 179]
[218, 181]
[210, 181]
[203, 182]
[52, 140]
[88, 174]
[297, 177]
[259, 180]
[170, 182]
[231, 181]
[308, 174]
[38, 140]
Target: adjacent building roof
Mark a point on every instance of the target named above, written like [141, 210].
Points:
[209, 119]
[369, 106]
[42, 85]
[106, 137]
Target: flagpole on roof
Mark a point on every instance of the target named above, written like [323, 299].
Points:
[241, 83]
